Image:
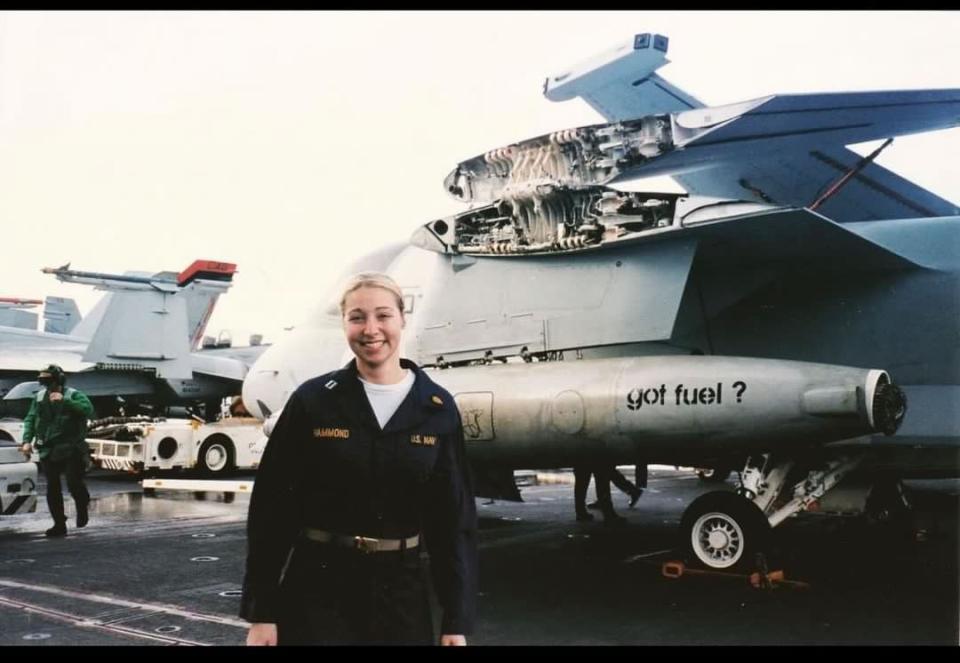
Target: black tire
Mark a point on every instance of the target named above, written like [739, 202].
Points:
[724, 531]
[216, 456]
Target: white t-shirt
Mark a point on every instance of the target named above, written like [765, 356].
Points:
[386, 398]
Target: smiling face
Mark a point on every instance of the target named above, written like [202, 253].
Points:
[373, 325]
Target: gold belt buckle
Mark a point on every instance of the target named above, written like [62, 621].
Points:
[364, 544]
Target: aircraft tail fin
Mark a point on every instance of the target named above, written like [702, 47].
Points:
[60, 315]
[203, 282]
[142, 329]
[620, 84]
[86, 327]
[150, 321]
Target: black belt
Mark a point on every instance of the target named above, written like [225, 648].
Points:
[362, 543]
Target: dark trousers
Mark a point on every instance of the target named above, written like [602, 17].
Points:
[581, 480]
[337, 596]
[640, 475]
[622, 482]
[72, 467]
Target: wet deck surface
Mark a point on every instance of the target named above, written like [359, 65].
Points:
[167, 569]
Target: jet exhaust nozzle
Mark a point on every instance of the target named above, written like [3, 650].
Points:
[888, 408]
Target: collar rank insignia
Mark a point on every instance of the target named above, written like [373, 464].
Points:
[436, 400]
[331, 384]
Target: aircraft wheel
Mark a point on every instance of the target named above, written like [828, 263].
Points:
[216, 456]
[724, 531]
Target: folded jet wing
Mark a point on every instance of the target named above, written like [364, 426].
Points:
[620, 84]
[784, 150]
[724, 141]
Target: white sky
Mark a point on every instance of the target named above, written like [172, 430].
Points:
[290, 143]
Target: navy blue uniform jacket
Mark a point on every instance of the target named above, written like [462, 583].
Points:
[329, 466]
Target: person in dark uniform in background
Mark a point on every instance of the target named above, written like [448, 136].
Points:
[624, 484]
[58, 420]
[364, 466]
[639, 478]
[601, 476]
[581, 481]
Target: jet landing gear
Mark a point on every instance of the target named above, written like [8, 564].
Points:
[725, 531]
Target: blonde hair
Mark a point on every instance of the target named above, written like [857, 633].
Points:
[371, 280]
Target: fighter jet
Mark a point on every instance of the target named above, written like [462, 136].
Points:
[60, 314]
[140, 342]
[15, 312]
[758, 320]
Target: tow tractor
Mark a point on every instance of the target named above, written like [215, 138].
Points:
[148, 445]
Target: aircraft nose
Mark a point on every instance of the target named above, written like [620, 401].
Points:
[263, 392]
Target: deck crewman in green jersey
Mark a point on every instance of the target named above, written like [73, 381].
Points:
[57, 420]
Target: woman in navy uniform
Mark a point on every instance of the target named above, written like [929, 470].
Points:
[364, 468]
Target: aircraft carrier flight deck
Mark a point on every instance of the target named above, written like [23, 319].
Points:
[166, 568]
